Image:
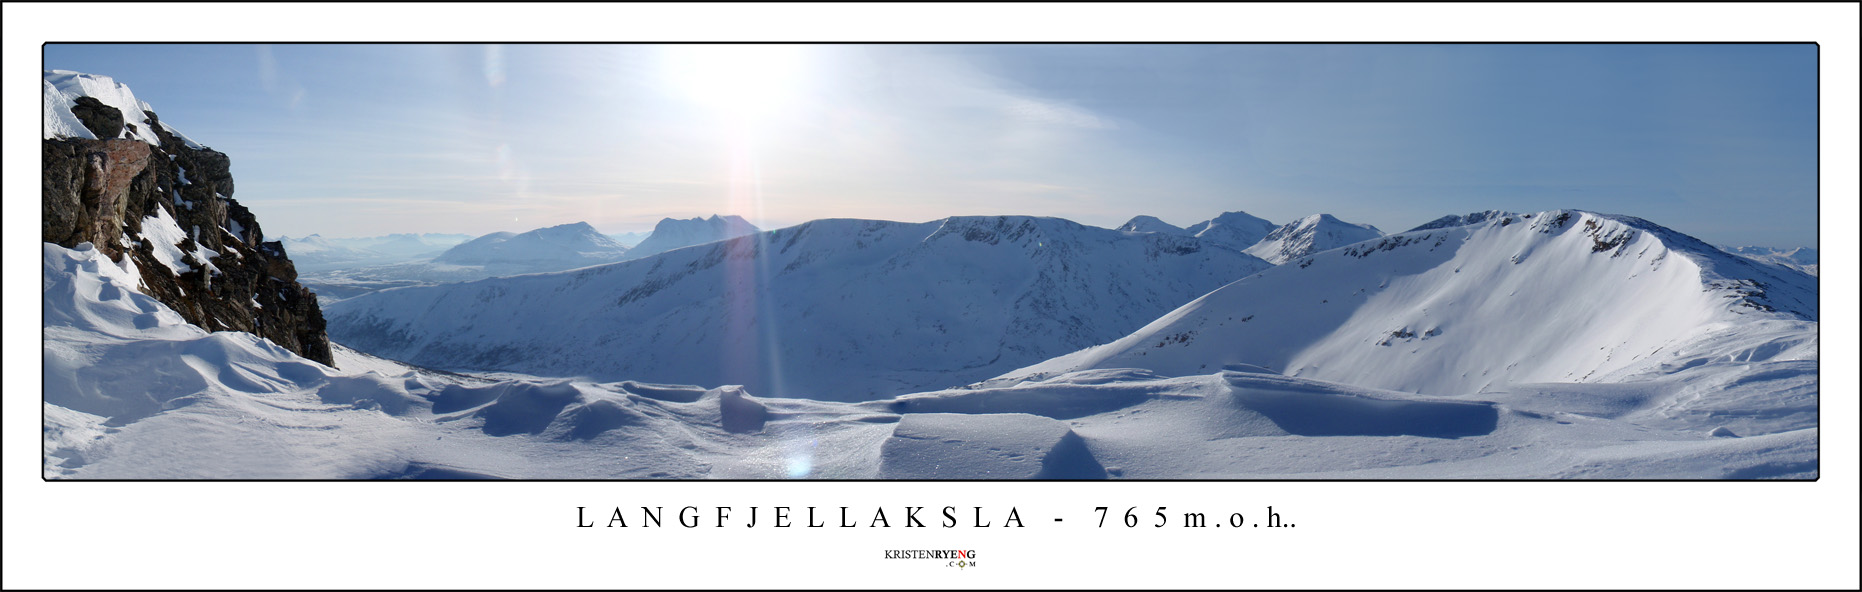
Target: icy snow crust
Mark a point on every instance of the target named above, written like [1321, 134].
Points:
[1732, 396]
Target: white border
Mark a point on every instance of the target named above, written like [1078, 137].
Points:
[1371, 535]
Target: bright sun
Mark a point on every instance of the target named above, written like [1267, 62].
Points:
[745, 82]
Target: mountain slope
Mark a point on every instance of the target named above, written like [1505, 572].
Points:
[1312, 234]
[1559, 296]
[672, 233]
[830, 309]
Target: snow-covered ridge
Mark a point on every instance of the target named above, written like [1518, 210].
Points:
[1559, 296]
[837, 308]
[63, 88]
[1454, 220]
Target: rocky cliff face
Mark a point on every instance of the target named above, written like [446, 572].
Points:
[128, 196]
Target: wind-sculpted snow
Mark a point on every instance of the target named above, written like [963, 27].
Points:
[995, 446]
[831, 309]
[1551, 297]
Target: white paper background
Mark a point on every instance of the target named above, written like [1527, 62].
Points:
[521, 535]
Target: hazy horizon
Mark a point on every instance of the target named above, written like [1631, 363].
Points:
[1717, 141]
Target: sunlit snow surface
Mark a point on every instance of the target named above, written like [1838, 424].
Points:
[1713, 389]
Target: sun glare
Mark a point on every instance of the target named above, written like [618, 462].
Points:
[747, 82]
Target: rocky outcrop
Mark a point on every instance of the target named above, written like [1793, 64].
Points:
[104, 191]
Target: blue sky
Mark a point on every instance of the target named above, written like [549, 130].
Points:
[1718, 141]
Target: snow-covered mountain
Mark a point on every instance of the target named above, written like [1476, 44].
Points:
[565, 246]
[1308, 235]
[554, 248]
[1803, 259]
[1553, 297]
[673, 233]
[1235, 230]
[1151, 224]
[830, 309]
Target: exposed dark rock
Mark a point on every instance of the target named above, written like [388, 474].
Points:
[102, 120]
[99, 191]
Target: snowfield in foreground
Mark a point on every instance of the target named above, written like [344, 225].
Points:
[133, 392]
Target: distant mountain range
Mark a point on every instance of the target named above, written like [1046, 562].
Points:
[790, 312]
[1801, 258]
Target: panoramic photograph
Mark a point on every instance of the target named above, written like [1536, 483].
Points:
[749, 261]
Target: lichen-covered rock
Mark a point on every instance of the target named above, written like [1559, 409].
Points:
[102, 191]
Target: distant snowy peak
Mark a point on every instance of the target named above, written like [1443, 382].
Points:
[1803, 259]
[566, 246]
[1312, 234]
[673, 233]
[1150, 224]
[93, 107]
[1236, 230]
[1451, 221]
